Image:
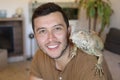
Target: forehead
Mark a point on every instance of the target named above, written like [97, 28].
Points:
[49, 20]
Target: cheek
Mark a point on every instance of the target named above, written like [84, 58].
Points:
[40, 41]
[61, 37]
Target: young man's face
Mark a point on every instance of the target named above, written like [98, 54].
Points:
[52, 34]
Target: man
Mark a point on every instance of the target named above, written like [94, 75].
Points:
[54, 61]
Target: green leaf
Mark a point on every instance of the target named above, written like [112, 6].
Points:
[92, 12]
[100, 10]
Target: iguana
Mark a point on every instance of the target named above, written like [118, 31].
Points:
[89, 43]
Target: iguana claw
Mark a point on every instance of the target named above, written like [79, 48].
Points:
[99, 69]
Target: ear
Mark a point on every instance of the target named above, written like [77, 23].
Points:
[69, 34]
[69, 30]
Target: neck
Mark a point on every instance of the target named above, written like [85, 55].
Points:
[63, 60]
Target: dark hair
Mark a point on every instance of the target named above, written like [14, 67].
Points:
[48, 8]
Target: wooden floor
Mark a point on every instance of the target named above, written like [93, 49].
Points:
[16, 71]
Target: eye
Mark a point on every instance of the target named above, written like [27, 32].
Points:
[42, 31]
[58, 28]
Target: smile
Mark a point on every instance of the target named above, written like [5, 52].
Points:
[54, 46]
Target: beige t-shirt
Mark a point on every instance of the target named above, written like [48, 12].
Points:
[81, 67]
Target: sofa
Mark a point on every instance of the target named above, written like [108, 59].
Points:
[112, 52]
[113, 61]
[112, 42]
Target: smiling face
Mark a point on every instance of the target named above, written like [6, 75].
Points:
[52, 34]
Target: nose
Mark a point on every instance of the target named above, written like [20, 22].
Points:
[51, 36]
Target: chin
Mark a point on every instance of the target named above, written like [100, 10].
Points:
[55, 56]
[52, 53]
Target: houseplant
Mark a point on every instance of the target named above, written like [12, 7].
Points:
[97, 10]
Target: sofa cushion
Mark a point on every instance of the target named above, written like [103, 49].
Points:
[112, 42]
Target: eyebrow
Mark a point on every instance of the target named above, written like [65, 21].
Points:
[39, 29]
[53, 26]
[58, 25]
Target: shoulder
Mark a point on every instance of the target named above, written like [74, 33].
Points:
[88, 65]
[38, 63]
[39, 54]
[40, 58]
[35, 67]
[85, 61]
[86, 57]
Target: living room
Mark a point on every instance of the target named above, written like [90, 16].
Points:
[29, 46]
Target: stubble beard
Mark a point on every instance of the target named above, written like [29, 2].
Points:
[62, 52]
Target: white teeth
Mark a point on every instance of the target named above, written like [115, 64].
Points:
[52, 46]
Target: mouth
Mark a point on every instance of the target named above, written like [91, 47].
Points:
[52, 46]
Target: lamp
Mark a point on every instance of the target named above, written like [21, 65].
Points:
[31, 36]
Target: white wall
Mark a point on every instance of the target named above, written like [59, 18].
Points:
[115, 18]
